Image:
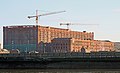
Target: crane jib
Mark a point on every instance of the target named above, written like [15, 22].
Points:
[43, 15]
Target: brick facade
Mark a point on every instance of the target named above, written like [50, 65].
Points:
[30, 37]
[75, 45]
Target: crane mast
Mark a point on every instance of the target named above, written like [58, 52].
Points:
[37, 15]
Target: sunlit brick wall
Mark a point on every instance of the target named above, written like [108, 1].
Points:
[75, 45]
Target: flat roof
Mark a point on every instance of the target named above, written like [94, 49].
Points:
[24, 26]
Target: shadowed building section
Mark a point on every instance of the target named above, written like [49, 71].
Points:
[23, 38]
[117, 46]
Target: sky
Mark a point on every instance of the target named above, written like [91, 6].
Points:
[104, 13]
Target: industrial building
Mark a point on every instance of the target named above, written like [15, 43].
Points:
[23, 38]
[33, 37]
[74, 45]
[117, 46]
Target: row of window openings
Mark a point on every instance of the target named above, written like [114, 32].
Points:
[53, 31]
[22, 35]
[63, 47]
[59, 50]
[30, 31]
[64, 44]
[72, 36]
[83, 43]
[65, 35]
[9, 41]
[59, 37]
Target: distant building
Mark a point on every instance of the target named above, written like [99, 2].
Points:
[75, 45]
[23, 38]
[117, 46]
[61, 45]
[32, 37]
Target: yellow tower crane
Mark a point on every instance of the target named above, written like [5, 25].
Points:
[74, 24]
[37, 15]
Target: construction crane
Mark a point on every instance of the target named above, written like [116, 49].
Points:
[74, 24]
[37, 15]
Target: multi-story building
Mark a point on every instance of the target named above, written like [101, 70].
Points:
[23, 38]
[117, 46]
[32, 37]
[75, 45]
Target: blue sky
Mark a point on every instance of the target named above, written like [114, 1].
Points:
[106, 13]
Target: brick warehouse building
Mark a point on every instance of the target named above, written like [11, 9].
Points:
[74, 45]
[33, 37]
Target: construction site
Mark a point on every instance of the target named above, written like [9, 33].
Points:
[43, 39]
[28, 38]
[31, 37]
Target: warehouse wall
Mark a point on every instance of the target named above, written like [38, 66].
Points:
[19, 37]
